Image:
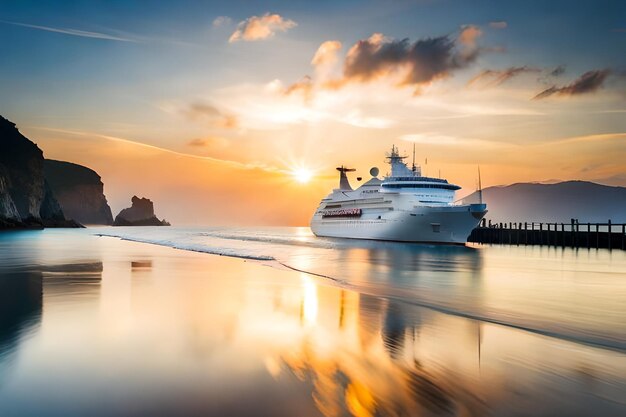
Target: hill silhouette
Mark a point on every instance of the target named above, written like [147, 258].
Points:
[558, 202]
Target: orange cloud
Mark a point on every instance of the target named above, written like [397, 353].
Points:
[305, 86]
[469, 34]
[261, 27]
[327, 53]
[216, 117]
[209, 142]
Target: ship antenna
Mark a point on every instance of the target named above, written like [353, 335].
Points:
[413, 169]
[480, 187]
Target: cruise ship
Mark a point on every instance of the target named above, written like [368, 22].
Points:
[404, 206]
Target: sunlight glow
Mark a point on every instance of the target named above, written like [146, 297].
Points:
[302, 175]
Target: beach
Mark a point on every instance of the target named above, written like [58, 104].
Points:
[95, 325]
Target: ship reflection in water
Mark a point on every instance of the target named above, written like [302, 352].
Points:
[368, 356]
[131, 329]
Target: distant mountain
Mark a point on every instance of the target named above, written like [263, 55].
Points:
[79, 190]
[560, 202]
[26, 199]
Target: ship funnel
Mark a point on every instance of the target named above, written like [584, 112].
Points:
[344, 184]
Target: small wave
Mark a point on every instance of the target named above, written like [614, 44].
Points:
[192, 248]
[292, 241]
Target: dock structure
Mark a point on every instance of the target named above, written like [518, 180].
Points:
[574, 234]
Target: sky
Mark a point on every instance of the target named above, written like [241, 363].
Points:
[238, 112]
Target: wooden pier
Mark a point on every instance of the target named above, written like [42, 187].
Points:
[574, 234]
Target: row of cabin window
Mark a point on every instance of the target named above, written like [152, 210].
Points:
[441, 186]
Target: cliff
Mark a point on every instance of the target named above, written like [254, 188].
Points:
[80, 192]
[559, 202]
[25, 198]
[141, 213]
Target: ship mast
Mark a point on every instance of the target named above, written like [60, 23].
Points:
[480, 187]
[413, 168]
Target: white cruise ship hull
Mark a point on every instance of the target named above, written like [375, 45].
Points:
[434, 224]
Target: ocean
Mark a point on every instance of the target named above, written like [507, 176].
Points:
[575, 294]
[275, 321]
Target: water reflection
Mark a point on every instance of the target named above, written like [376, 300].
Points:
[411, 361]
[141, 264]
[23, 293]
[533, 288]
[207, 335]
[69, 279]
[380, 262]
[383, 373]
[20, 310]
[394, 328]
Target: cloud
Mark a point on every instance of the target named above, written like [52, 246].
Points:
[469, 34]
[216, 117]
[261, 27]
[418, 63]
[492, 78]
[212, 142]
[557, 71]
[324, 61]
[221, 20]
[587, 83]
[498, 25]
[326, 54]
[399, 62]
[304, 86]
[74, 32]
[197, 143]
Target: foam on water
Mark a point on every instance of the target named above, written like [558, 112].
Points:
[193, 247]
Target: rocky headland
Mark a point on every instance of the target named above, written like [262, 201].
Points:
[26, 198]
[80, 192]
[140, 213]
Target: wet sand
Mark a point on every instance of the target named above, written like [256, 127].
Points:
[98, 326]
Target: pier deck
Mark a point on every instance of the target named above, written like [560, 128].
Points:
[574, 234]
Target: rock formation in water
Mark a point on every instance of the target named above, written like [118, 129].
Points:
[141, 213]
[80, 192]
[26, 200]
[558, 202]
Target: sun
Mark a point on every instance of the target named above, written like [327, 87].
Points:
[302, 175]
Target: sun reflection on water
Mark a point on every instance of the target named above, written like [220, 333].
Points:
[309, 299]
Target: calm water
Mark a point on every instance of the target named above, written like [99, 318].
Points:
[305, 326]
